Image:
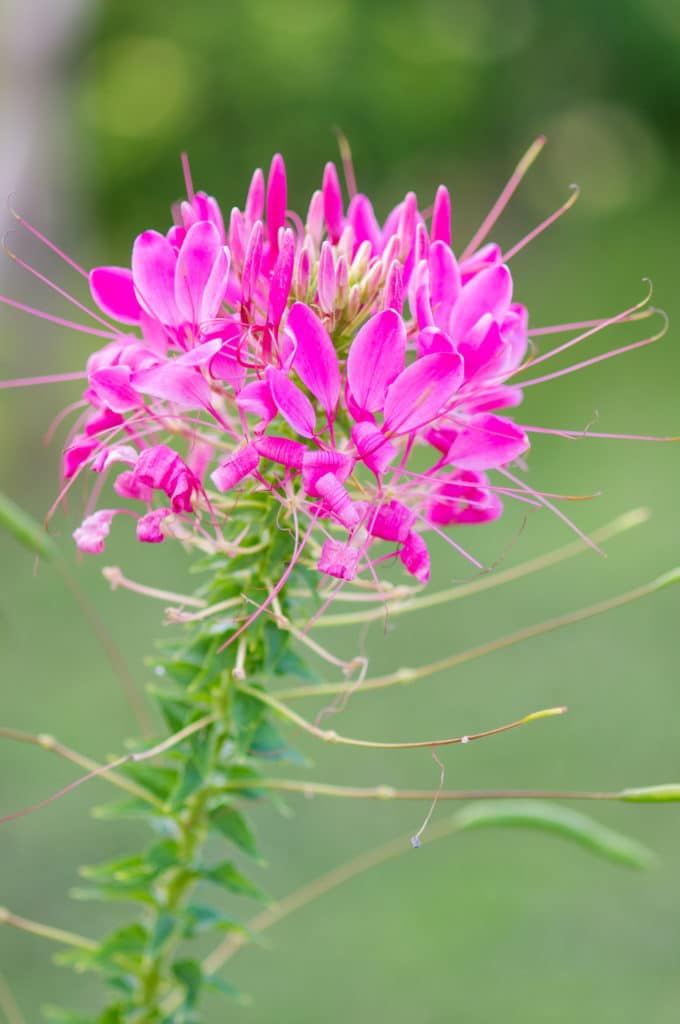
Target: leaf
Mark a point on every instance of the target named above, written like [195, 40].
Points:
[200, 918]
[226, 875]
[268, 743]
[114, 894]
[163, 929]
[562, 821]
[25, 529]
[190, 976]
[233, 826]
[117, 809]
[158, 781]
[129, 940]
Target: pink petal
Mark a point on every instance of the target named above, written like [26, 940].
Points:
[276, 200]
[201, 274]
[392, 521]
[363, 220]
[444, 283]
[185, 386]
[93, 531]
[376, 358]
[153, 271]
[149, 526]
[256, 398]
[113, 388]
[282, 450]
[292, 403]
[332, 202]
[415, 558]
[490, 291]
[420, 393]
[373, 447]
[315, 361]
[113, 291]
[326, 279]
[339, 560]
[337, 500]
[282, 278]
[128, 486]
[316, 464]
[239, 465]
[441, 217]
[255, 200]
[486, 443]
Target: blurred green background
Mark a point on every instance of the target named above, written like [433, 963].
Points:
[96, 102]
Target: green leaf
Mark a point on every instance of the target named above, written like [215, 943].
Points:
[226, 875]
[199, 918]
[190, 976]
[25, 529]
[233, 826]
[114, 894]
[562, 821]
[163, 929]
[158, 781]
[268, 743]
[130, 940]
[119, 809]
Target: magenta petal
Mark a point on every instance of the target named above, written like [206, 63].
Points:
[419, 394]
[185, 386]
[332, 202]
[149, 526]
[487, 442]
[256, 398]
[282, 278]
[375, 359]
[200, 255]
[292, 403]
[113, 291]
[444, 283]
[317, 464]
[239, 465]
[315, 361]
[339, 560]
[392, 521]
[282, 450]
[363, 220]
[153, 271]
[338, 501]
[490, 291]
[415, 557]
[441, 216]
[373, 447]
[276, 200]
[113, 388]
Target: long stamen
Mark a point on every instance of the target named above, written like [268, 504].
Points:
[543, 225]
[57, 319]
[507, 193]
[45, 241]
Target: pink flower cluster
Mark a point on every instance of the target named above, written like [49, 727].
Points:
[319, 362]
[351, 372]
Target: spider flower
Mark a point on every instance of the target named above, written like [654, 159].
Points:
[357, 375]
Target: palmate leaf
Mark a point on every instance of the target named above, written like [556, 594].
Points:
[562, 821]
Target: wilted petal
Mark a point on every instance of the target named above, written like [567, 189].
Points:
[316, 464]
[337, 500]
[315, 361]
[415, 557]
[114, 292]
[419, 394]
[93, 531]
[464, 498]
[239, 465]
[149, 526]
[392, 521]
[282, 450]
[487, 442]
[376, 358]
[339, 560]
[292, 403]
[153, 272]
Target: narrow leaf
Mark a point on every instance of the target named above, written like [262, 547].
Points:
[25, 529]
[233, 826]
[562, 821]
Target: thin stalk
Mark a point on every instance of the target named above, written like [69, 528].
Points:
[330, 736]
[405, 676]
[393, 607]
[46, 931]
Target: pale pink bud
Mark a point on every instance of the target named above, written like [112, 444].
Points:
[149, 526]
[237, 236]
[303, 271]
[393, 294]
[314, 225]
[353, 302]
[361, 260]
[326, 281]
[342, 282]
[93, 531]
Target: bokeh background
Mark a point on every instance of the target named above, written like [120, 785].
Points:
[96, 102]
